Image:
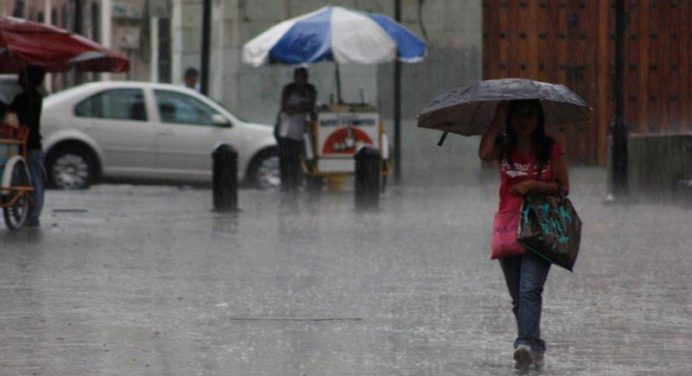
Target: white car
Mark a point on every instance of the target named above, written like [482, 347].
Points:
[156, 132]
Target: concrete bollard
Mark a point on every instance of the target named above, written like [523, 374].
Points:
[225, 178]
[367, 179]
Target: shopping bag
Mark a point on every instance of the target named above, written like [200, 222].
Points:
[504, 237]
[550, 228]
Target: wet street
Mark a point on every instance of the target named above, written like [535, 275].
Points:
[147, 280]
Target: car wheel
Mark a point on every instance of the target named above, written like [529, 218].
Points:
[264, 173]
[71, 169]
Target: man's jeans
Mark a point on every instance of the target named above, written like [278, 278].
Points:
[289, 163]
[36, 171]
[525, 276]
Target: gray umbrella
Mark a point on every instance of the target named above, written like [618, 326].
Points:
[469, 110]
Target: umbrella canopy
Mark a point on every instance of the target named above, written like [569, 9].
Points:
[335, 34]
[24, 42]
[469, 110]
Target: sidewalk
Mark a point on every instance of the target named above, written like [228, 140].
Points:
[125, 280]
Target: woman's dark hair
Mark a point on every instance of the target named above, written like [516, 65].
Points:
[542, 143]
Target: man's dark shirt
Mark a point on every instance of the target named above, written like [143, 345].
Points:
[306, 91]
[28, 105]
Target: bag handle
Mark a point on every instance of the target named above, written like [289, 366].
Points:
[560, 189]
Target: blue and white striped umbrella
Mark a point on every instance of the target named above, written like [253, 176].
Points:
[335, 34]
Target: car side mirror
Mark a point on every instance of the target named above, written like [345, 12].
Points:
[220, 121]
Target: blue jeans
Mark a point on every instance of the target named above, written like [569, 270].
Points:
[36, 171]
[525, 276]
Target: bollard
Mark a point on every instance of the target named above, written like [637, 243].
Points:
[367, 179]
[225, 179]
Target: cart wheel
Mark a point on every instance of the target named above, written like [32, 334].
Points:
[17, 213]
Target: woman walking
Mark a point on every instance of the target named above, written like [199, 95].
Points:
[529, 161]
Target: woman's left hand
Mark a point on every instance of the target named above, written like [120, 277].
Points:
[521, 189]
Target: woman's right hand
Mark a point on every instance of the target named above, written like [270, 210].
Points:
[488, 149]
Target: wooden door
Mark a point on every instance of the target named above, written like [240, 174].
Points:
[572, 42]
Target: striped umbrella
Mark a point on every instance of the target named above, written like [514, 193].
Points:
[335, 34]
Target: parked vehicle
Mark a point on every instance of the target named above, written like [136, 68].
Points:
[139, 130]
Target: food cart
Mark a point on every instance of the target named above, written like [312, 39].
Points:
[343, 36]
[335, 137]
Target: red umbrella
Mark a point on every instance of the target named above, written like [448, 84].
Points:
[57, 50]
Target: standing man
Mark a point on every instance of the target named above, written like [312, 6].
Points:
[297, 110]
[190, 78]
[28, 105]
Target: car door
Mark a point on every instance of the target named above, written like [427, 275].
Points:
[118, 121]
[188, 131]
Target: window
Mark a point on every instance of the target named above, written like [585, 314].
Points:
[121, 104]
[183, 109]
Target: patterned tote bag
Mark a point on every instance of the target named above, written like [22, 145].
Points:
[551, 228]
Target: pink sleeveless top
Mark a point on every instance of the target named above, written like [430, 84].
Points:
[523, 167]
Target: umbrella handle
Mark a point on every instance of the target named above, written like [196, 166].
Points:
[442, 139]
